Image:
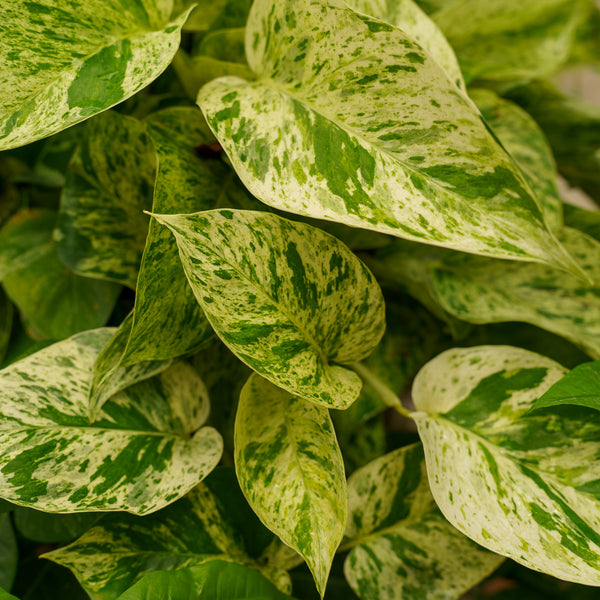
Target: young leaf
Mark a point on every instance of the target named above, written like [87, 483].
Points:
[54, 300]
[286, 298]
[332, 82]
[523, 485]
[64, 62]
[402, 547]
[140, 455]
[581, 386]
[291, 471]
[101, 227]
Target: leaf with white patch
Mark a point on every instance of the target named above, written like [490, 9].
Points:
[522, 484]
[291, 471]
[523, 139]
[101, 229]
[481, 290]
[406, 15]
[402, 547]
[287, 298]
[54, 301]
[415, 158]
[64, 62]
[146, 449]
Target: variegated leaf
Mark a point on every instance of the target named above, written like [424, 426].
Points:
[402, 547]
[522, 484]
[415, 158]
[6, 318]
[286, 298]
[406, 15]
[101, 228]
[143, 452]
[291, 471]
[55, 302]
[510, 40]
[481, 290]
[109, 376]
[64, 62]
[167, 320]
[213, 580]
[121, 549]
[523, 139]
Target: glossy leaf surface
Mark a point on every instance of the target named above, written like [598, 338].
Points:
[144, 451]
[522, 484]
[272, 290]
[8, 553]
[364, 91]
[291, 471]
[6, 318]
[64, 62]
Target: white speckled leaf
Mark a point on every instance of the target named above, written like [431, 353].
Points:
[287, 298]
[352, 121]
[291, 471]
[522, 484]
[66, 61]
[142, 453]
[406, 15]
[101, 229]
[402, 546]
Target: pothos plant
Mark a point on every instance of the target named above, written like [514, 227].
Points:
[216, 296]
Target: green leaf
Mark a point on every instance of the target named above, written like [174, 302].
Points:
[218, 14]
[55, 301]
[53, 459]
[6, 319]
[48, 528]
[224, 45]
[391, 114]
[109, 376]
[481, 290]
[291, 471]
[214, 580]
[167, 320]
[581, 386]
[402, 547]
[64, 62]
[523, 485]
[510, 40]
[406, 15]
[121, 549]
[273, 290]
[8, 553]
[101, 228]
[523, 139]
[4, 595]
[587, 221]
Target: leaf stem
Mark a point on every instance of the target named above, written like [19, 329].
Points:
[384, 392]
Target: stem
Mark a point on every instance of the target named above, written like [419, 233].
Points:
[384, 392]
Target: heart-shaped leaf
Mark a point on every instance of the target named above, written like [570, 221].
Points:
[522, 484]
[286, 298]
[291, 471]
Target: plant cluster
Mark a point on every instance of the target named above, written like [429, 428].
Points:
[215, 295]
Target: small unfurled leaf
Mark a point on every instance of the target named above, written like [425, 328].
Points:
[8, 553]
[55, 301]
[287, 298]
[415, 158]
[213, 580]
[581, 386]
[101, 227]
[522, 484]
[291, 471]
[121, 549]
[406, 15]
[139, 455]
[64, 62]
[523, 139]
[403, 548]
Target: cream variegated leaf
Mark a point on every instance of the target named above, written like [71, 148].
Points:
[288, 299]
[350, 120]
[145, 449]
[291, 471]
[66, 61]
[523, 484]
